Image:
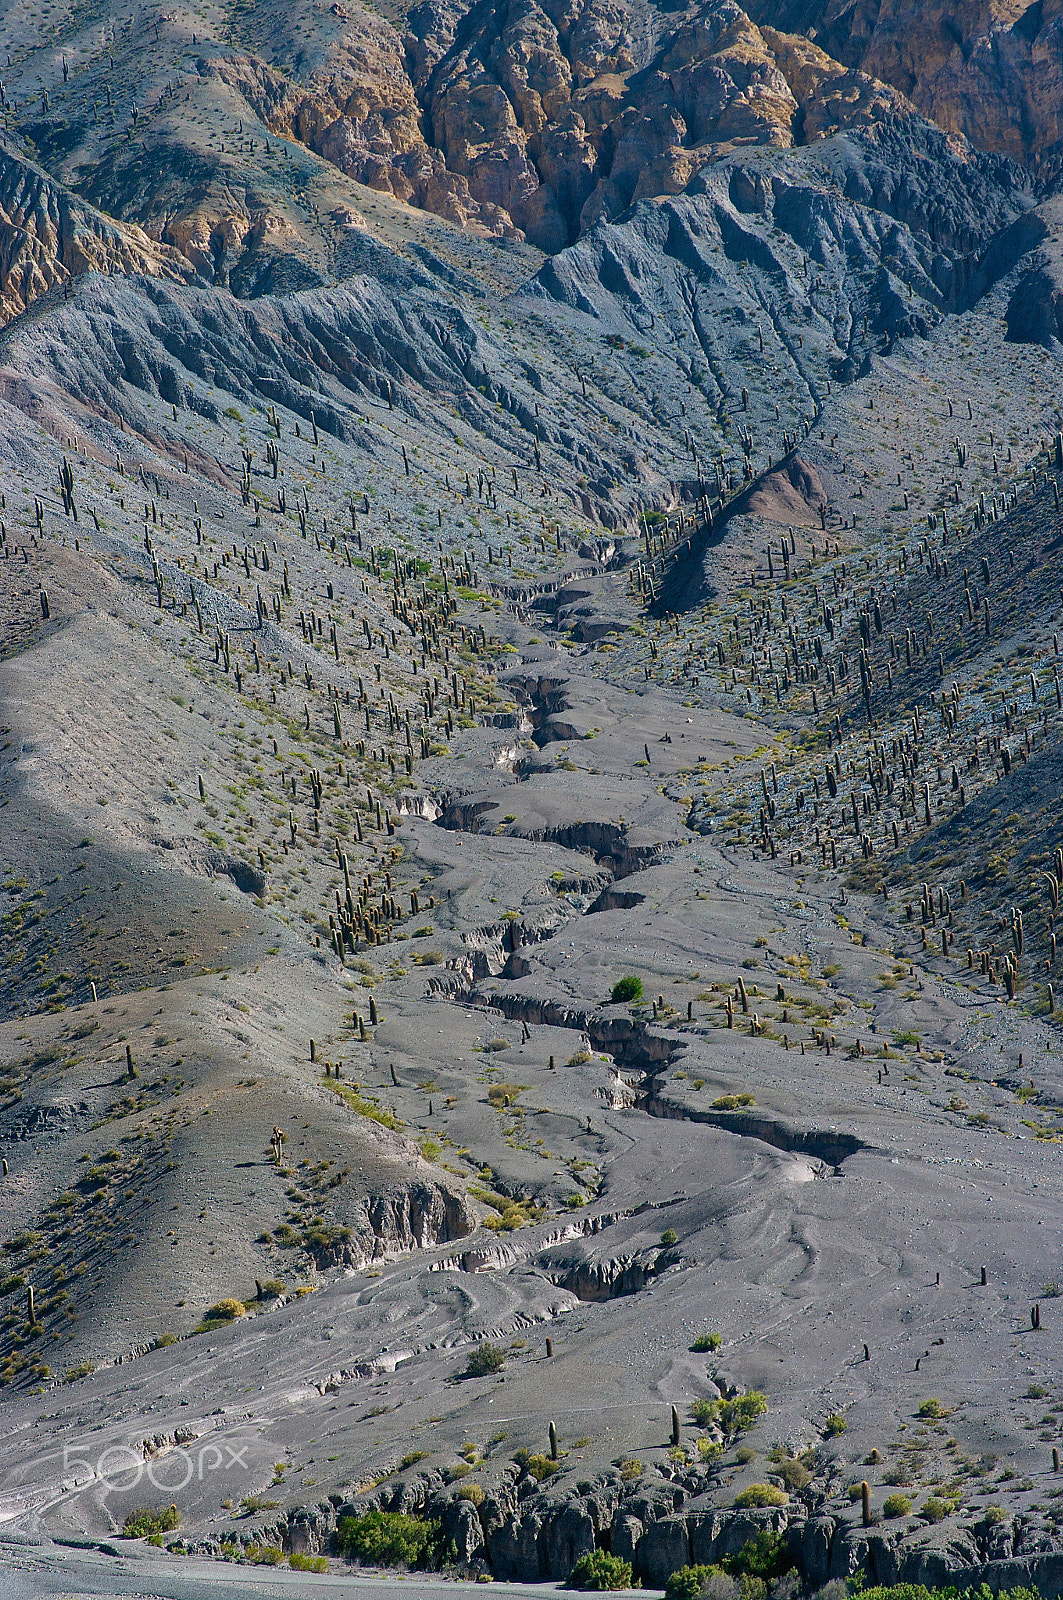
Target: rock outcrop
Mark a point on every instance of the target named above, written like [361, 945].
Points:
[49, 236]
[989, 72]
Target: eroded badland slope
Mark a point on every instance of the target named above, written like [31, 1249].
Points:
[497, 502]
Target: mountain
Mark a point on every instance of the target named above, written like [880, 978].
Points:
[528, 769]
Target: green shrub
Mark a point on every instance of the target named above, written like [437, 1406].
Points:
[225, 1311]
[669, 1237]
[146, 1520]
[253, 1503]
[896, 1505]
[473, 1492]
[301, 1563]
[733, 1416]
[738, 1415]
[391, 1539]
[931, 1408]
[412, 1459]
[767, 1556]
[793, 1472]
[834, 1425]
[934, 1509]
[599, 1570]
[265, 1555]
[761, 1494]
[626, 991]
[688, 1582]
[539, 1467]
[917, 1591]
[486, 1359]
[707, 1341]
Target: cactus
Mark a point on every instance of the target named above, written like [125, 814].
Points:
[865, 1504]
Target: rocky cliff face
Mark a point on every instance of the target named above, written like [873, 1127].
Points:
[543, 120]
[530, 120]
[48, 236]
[992, 72]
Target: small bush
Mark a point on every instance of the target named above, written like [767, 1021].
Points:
[472, 1492]
[794, 1474]
[669, 1237]
[896, 1505]
[767, 1556]
[225, 1311]
[627, 990]
[599, 1570]
[412, 1459]
[733, 1102]
[265, 1555]
[761, 1494]
[537, 1466]
[146, 1520]
[745, 1454]
[390, 1539]
[272, 1289]
[931, 1408]
[934, 1509]
[500, 1095]
[630, 1469]
[707, 1341]
[835, 1425]
[899, 1476]
[486, 1359]
[688, 1582]
[253, 1503]
[719, 1585]
[301, 1563]
[739, 1415]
